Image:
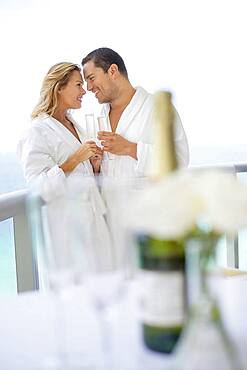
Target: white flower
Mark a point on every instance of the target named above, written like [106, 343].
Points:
[225, 201]
[166, 209]
[171, 208]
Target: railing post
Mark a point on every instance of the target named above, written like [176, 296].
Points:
[232, 251]
[13, 205]
[26, 272]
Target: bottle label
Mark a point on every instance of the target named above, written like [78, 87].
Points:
[161, 297]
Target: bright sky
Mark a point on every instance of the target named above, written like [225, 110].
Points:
[196, 48]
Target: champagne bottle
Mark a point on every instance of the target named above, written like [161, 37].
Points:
[162, 262]
[164, 158]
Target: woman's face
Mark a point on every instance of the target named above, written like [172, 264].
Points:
[70, 96]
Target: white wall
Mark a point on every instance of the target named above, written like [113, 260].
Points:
[196, 48]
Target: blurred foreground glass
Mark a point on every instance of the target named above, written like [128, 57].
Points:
[204, 343]
[109, 263]
[57, 217]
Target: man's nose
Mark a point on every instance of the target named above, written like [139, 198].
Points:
[89, 86]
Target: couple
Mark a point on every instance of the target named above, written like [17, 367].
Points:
[55, 145]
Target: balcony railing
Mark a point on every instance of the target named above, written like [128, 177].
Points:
[13, 205]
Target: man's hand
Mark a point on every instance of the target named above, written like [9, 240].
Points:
[96, 160]
[116, 144]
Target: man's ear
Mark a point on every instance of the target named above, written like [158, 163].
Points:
[113, 71]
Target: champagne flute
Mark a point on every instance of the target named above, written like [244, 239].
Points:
[205, 343]
[57, 217]
[104, 125]
[107, 266]
[92, 130]
[91, 127]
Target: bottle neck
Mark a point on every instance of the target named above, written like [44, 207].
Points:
[164, 156]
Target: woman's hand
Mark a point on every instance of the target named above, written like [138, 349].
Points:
[96, 160]
[86, 151]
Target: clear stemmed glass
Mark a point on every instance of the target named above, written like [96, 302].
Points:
[204, 342]
[57, 217]
[104, 125]
[108, 164]
[108, 265]
[91, 127]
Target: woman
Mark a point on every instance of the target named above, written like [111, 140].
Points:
[54, 148]
[55, 145]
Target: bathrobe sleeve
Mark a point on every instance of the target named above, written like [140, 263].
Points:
[181, 142]
[35, 153]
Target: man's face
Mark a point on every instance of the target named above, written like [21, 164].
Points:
[99, 82]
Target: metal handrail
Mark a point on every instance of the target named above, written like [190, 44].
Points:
[13, 205]
[240, 167]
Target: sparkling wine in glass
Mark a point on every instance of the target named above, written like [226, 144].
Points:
[104, 125]
[91, 127]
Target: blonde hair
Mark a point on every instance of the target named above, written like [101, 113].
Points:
[57, 77]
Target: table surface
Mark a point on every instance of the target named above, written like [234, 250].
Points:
[28, 335]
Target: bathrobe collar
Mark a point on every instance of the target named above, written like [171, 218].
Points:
[130, 112]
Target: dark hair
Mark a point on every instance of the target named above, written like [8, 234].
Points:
[104, 58]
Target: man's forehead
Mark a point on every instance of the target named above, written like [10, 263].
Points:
[89, 66]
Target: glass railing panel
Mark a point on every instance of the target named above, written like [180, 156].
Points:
[242, 237]
[242, 249]
[221, 256]
[7, 258]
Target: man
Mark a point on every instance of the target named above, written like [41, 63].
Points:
[129, 111]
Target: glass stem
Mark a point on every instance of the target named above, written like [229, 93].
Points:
[60, 327]
[106, 336]
[195, 272]
[200, 299]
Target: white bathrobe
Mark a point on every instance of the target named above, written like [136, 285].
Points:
[48, 144]
[135, 125]
[45, 146]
